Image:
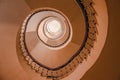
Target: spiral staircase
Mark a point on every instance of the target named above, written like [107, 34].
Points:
[56, 40]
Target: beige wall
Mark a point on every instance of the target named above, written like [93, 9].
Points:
[108, 65]
[12, 13]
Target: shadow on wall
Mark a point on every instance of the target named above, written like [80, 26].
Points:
[10, 20]
[108, 65]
